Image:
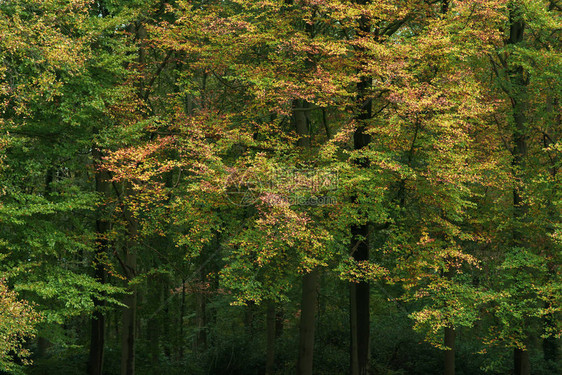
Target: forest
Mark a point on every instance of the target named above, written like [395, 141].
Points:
[250, 187]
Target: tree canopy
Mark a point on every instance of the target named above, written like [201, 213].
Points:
[280, 186]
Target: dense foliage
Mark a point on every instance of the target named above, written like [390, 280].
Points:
[280, 186]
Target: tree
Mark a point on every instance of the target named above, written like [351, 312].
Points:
[17, 324]
[520, 76]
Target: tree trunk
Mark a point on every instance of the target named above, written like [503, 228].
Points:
[129, 323]
[153, 335]
[353, 355]
[519, 100]
[128, 330]
[360, 292]
[201, 320]
[166, 321]
[307, 322]
[300, 123]
[550, 343]
[97, 339]
[310, 280]
[129, 317]
[359, 308]
[449, 341]
[270, 339]
[450, 334]
[521, 362]
[279, 320]
[249, 318]
[182, 313]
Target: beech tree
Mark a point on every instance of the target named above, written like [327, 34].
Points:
[254, 186]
